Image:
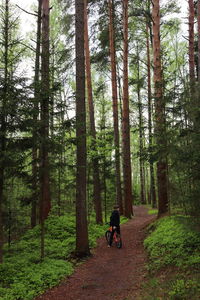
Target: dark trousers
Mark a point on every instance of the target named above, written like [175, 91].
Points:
[117, 229]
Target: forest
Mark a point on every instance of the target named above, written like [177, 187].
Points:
[99, 105]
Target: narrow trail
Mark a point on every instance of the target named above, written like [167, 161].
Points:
[111, 273]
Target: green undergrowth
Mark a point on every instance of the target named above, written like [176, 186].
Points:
[173, 246]
[153, 211]
[23, 276]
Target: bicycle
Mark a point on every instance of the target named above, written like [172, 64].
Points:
[116, 237]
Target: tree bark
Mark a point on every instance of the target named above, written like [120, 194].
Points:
[141, 138]
[102, 125]
[198, 22]
[191, 44]
[151, 165]
[95, 161]
[2, 131]
[82, 243]
[35, 119]
[160, 124]
[119, 200]
[125, 120]
[3, 127]
[45, 92]
[45, 200]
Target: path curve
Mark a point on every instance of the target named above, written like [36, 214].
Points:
[111, 273]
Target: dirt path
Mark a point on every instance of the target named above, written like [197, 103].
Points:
[111, 274]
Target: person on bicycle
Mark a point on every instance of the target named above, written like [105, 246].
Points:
[114, 223]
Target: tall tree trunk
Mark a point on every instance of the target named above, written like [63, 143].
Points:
[160, 124]
[52, 76]
[82, 243]
[196, 144]
[115, 106]
[95, 161]
[141, 137]
[2, 170]
[191, 44]
[198, 21]
[1, 192]
[35, 120]
[45, 200]
[152, 178]
[102, 125]
[125, 120]
[3, 128]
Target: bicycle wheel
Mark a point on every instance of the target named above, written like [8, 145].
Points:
[118, 241]
[107, 235]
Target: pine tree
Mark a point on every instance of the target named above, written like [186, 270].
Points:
[125, 120]
[160, 122]
[45, 200]
[115, 105]
[152, 179]
[12, 100]
[3, 128]
[82, 244]
[95, 162]
[141, 134]
[191, 43]
[198, 27]
[35, 119]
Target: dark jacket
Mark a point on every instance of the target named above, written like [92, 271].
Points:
[115, 218]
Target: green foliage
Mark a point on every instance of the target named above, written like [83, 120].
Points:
[173, 287]
[23, 275]
[152, 211]
[24, 281]
[174, 250]
[174, 242]
[183, 288]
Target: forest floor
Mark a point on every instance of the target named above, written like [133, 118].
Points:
[110, 273]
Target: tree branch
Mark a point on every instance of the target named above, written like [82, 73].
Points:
[26, 11]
